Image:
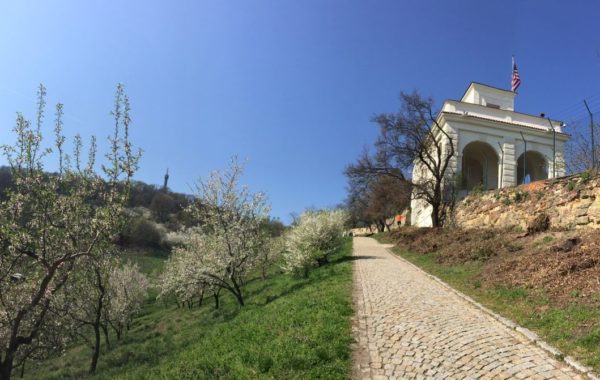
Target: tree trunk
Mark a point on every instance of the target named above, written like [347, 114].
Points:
[23, 369]
[97, 322]
[322, 261]
[201, 298]
[105, 330]
[6, 366]
[216, 295]
[96, 354]
[435, 217]
[237, 292]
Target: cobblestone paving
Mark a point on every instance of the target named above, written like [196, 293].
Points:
[410, 327]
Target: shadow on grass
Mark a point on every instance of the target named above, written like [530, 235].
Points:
[353, 258]
[288, 291]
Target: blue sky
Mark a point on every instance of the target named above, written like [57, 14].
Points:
[288, 85]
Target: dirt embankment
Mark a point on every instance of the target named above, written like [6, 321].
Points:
[565, 265]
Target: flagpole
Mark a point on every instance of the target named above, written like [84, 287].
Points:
[512, 68]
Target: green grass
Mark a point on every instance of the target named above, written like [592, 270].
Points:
[291, 328]
[574, 329]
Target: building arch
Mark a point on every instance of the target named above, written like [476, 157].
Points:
[479, 166]
[531, 163]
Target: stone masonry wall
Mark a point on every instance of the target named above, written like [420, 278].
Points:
[570, 202]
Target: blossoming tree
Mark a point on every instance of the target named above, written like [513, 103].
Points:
[229, 235]
[316, 235]
[49, 222]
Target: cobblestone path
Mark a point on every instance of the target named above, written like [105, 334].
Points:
[408, 326]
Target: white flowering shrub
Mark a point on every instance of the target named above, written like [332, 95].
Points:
[175, 238]
[316, 236]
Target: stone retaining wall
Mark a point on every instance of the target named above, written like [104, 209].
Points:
[570, 202]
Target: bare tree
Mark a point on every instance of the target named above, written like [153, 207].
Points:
[412, 140]
[375, 200]
[578, 150]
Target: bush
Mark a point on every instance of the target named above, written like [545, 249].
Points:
[521, 196]
[585, 177]
[142, 233]
[316, 236]
[477, 189]
[540, 223]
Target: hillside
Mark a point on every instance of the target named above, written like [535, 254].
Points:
[290, 328]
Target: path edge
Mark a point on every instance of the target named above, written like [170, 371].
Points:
[528, 334]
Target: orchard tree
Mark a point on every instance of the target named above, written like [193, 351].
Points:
[127, 290]
[271, 254]
[412, 139]
[87, 297]
[183, 277]
[230, 234]
[50, 222]
[314, 238]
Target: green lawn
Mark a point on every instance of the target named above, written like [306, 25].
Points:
[291, 328]
[574, 329]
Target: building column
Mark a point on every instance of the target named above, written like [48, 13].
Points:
[509, 169]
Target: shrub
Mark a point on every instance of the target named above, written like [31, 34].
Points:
[570, 185]
[316, 236]
[540, 223]
[539, 194]
[521, 196]
[585, 177]
[477, 189]
[142, 233]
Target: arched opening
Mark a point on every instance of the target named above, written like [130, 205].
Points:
[533, 165]
[479, 166]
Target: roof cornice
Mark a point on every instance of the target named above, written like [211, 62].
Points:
[539, 131]
[560, 122]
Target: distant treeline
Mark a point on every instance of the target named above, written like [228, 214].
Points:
[155, 214]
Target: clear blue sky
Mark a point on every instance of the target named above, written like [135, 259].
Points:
[289, 85]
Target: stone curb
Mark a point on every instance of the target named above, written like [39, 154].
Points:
[530, 335]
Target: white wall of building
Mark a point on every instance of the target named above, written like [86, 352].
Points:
[473, 120]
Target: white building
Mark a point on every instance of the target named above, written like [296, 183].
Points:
[489, 139]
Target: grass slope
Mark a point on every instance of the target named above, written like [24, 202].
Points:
[573, 328]
[291, 328]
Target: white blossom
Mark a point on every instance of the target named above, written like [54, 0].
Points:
[316, 236]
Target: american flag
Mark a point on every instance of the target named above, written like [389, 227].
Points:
[516, 79]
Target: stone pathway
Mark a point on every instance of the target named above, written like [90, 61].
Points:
[408, 326]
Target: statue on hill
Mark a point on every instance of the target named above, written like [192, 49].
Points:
[166, 181]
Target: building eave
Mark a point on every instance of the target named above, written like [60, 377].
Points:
[542, 131]
[472, 84]
[543, 119]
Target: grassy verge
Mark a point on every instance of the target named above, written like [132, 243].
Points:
[572, 328]
[291, 328]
